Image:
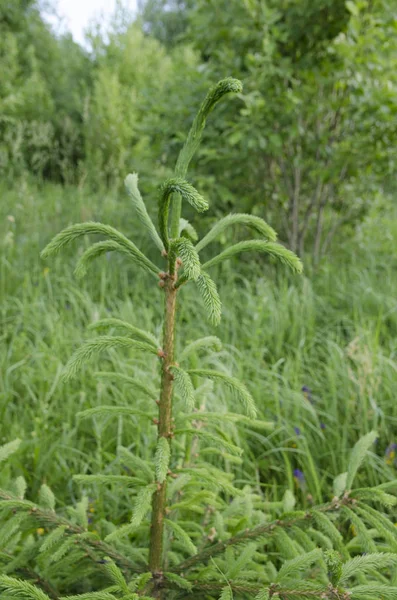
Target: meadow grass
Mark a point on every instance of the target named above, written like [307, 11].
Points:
[331, 332]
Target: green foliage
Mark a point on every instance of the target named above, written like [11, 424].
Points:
[93, 252]
[16, 588]
[315, 121]
[140, 508]
[293, 568]
[187, 192]
[72, 233]
[178, 512]
[227, 594]
[358, 455]
[134, 332]
[53, 538]
[215, 94]
[181, 536]
[46, 497]
[308, 120]
[131, 184]
[162, 459]
[187, 230]
[363, 564]
[141, 387]
[208, 343]
[142, 505]
[210, 296]
[189, 257]
[184, 386]
[237, 388]
[111, 410]
[94, 347]
[7, 449]
[276, 250]
[255, 223]
[334, 565]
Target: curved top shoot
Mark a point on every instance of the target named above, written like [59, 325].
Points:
[216, 93]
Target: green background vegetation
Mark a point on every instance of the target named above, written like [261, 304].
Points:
[310, 145]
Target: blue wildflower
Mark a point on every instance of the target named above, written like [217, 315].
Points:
[390, 453]
[299, 478]
[307, 393]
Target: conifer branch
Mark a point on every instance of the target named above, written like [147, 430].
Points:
[135, 332]
[131, 184]
[251, 221]
[210, 342]
[73, 232]
[181, 535]
[94, 252]
[325, 592]
[51, 519]
[236, 386]
[136, 463]
[95, 347]
[215, 94]
[17, 588]
[215, 440]
[255, 533]
[278, 251]
[189, 257]
[162, 459]
[32, 575]
[210, 296]
[185, 386]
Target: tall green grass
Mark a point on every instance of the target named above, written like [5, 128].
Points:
[333, 333]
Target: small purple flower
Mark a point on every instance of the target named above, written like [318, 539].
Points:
[390, 453]
[299, 477]
[297, 430]
[323, 426]
[307, 393]
[392, 446]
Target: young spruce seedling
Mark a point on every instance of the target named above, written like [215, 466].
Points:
[247, 547]
[175, 242]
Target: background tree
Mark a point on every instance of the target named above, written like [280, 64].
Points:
[316, 121]
[311, 117]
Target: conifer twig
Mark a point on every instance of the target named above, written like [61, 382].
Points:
[251, 534]
[51, 518]
[30, 573]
